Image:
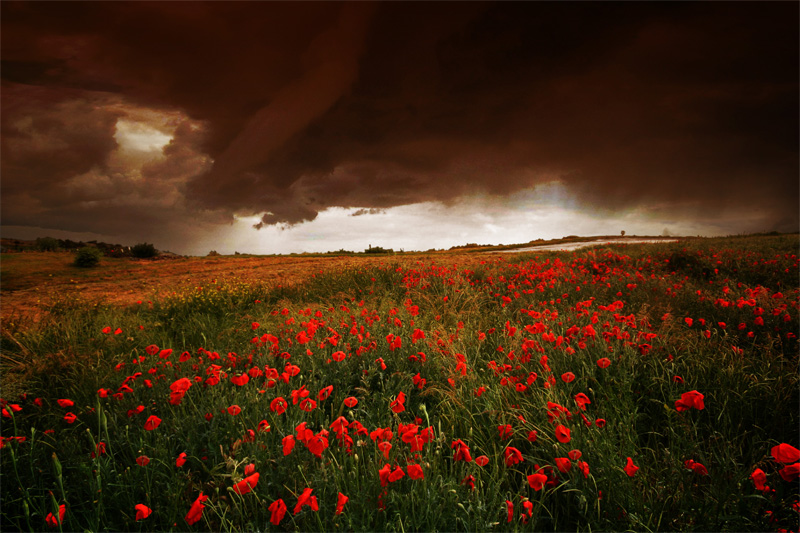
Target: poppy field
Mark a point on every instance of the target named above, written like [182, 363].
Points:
[623, 387]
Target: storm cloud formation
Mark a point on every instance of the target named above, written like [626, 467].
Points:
[283, 110]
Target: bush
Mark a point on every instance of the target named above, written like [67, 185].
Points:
[47, 244]
[87, 257]
[144, 251]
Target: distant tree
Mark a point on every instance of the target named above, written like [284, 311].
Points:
[87, 257]
[213, 253]
[47, 244]
[622, 233]
[144, 250]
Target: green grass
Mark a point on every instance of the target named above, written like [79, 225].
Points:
[485, 328]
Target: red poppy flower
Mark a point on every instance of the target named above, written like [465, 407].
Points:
[278, 405]
[234, 410]
[100, 449]
[340, 501]
[288, 444]
[398, 404]
[760, 480]
[324, 393]
[462, 451]
[510, 510]
[785, 453]
[196, 511]
[584, 468]
[351, 401]
[70, 417]
[631, 468]
[562, 434]
[306, 499]
[338, 356]
[568, 377]
[142, 460]
[537, 481]
[790, 473]
[505, 431]
[142, 511]
[482, 460]
[247, 484]
[688, 400]
[600, 422]
[241, 380]
[181, 460]
[513, 456]
[278, 510]
[415, 471]
[383, 473]
[604, 362]
[582, 400]
[396, 474]
[574, 454]
[107, 330]
[152, 423]
[65, 403]
[385, 447]
[469, 482]
[52, 521]
[563, 464]
[308, 405]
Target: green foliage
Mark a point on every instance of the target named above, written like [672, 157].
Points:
[144, 250]
[47, 244]
[87, 257]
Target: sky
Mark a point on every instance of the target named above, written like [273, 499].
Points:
[286, 127]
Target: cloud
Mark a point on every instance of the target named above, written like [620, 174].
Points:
[286, 110]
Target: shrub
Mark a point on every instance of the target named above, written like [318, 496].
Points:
[47, 244]
[144, 250]
[87, 257]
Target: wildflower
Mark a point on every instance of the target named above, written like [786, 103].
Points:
[398, 404]
[142, 511]
[562, 434]
[142, 460]
[338, 356]
[688, 400]
[278, 510]
[600, 422]
[584, 468]
[241, 380]
[52, 521]
[351, 401]
[306, 499]
[505, 431]
[482, 460]
[70, 417]
[181, 460]
[65, 403]
[396, 474]
[563, 464]
[785, 453]
[469, 481]
[196, 511]
[100, 449]
[152, 423]
[790, 473]
[760, 480]
[247, 484]
[288, 444]
[307, 404]
[695, 467]
[568, 377]
[415, 471]
[533, 435]
[604, 362]
[340, 501]
[631, 468]
[513, 456]
[462, 451]
[582, 400]
[537, 481]
[324, 393]
[385, 447]
[234, 410]
[510, 509]
[278, 405]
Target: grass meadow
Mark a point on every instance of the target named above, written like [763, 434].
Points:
[638, 387]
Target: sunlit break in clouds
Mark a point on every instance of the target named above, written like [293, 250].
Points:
[269, 127]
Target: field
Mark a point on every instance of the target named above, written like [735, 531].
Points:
[621, 387]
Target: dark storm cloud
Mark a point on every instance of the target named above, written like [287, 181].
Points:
[683, 108]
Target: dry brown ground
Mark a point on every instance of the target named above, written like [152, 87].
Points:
[31, 281]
